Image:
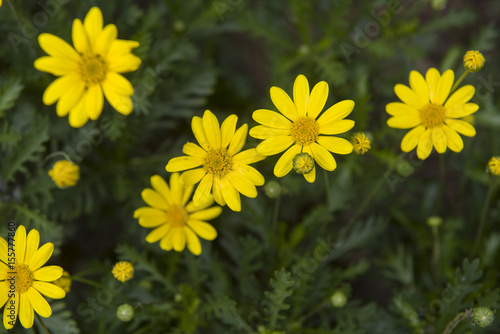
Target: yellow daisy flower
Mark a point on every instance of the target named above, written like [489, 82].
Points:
[297, 128]
[88, 70]
[123, 271]
[176, 221]
[433, 114]
[24, 280]
[65, 173]
[223, 169]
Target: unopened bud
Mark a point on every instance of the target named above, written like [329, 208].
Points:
[125, 312]
[303, 163]
[473, 61]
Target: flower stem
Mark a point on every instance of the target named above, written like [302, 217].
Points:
[459, 81]
[486, 204]
[274, 223]
[458, 318]
[436, 252]
[42, 324]
[86, 281]
[442, 177]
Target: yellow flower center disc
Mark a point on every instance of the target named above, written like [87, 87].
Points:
[218, 163]
[24, 278]
[177, 216]
[305, 130]
[93, 69]
[432, 115]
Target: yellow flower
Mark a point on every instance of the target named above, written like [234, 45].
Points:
[176, 221]
[297, 125]
[494, 165]
[123, 271]
[64, 282]
[88, 70]
[473, 61]
[65, 173]
[21, 292]
[223, 169]
[360, 142]
[433, 114]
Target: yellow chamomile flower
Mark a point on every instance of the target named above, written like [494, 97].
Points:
[473, 61]
[297, 128]
[218, 163]
[65, 173]
[88, 70]
[175, 221]
[64, 282]
[434, 115]
[360, 142]
[24, 280]
[494, 166]
[123, 271]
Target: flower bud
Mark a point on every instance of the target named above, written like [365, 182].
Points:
[360, 143]
[473, 61]
[483, 316]
[123, 271]
[494, 166]
[434, 221]
[338, 299]
[125, 312]
[65, 173]
[272, 189]
[303, 163]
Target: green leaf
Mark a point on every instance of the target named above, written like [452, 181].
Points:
[9, 94]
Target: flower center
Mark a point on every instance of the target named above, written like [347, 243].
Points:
[93, 68]
[24, 278]
[218, 163]
[305, 130]
[177, 216]
[432, 115]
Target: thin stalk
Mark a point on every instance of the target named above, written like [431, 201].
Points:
[458, 318]
[42, 324]
[86, 281]
[459, 81]
[436, 252]
[328, 200]
[274, 223]
[479, 234]
[442, 178]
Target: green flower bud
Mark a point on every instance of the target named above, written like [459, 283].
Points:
[434, 221]
[272, 189]
[303, 163]
[338, 299]
[125, 312]
[483, 316]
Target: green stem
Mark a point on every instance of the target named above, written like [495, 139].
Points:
[42, 324]
[328, 200]
[458, 318]
[482, 220]
[459, 81]
[442, 177]
[274, 223]
[86, 281]
[436, 252]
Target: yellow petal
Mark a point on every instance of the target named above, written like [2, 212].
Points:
[461, 127]
[271, 119]
[166, 242]
[48, 274]
[274, 145]
[336, 127]
[154, 199]
[336, 112]
[121, 47]
[94, 101]
[238, 140]
[190, 208]
[71, 96]
[432, 78]
[408, 96]
[424, 147]
[248, 157]
[41, 256]
[150, 217]
[20, 244]
[32, 243]
[411, 139]
[242, 184]
[403, 122]
[56, 89]
[207, 214]
[317, 99]
[159, 233]
[284, 164]
[443, 87]
[191, 177]
[461, 96]
[49, 290]
[161, 188]
[39, 303]
[4, 251]
[311, 176]
[93, 25]
[57, 66]
[193, 243]
[231, 196]
[177, 189]
[454, 141]
[203, 229]
[227, 130]
[439, 140]
[301, 94]
[419, 86]
[122, 63]
[201, 195]
[57, 47]
[194, 150]
[26, 314]
[105, 39]
[217, 192]
[117, 83]
[335, 144]
[78, 115]
[264, 132]
[252, 174]
[283, 103]
[178, 239]
[401, 109]
[121, 103]
[79, 36]
[9, 322]
[323, 157]
[199, 132]
[461, 110]
[212, 129]
[182, 163]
